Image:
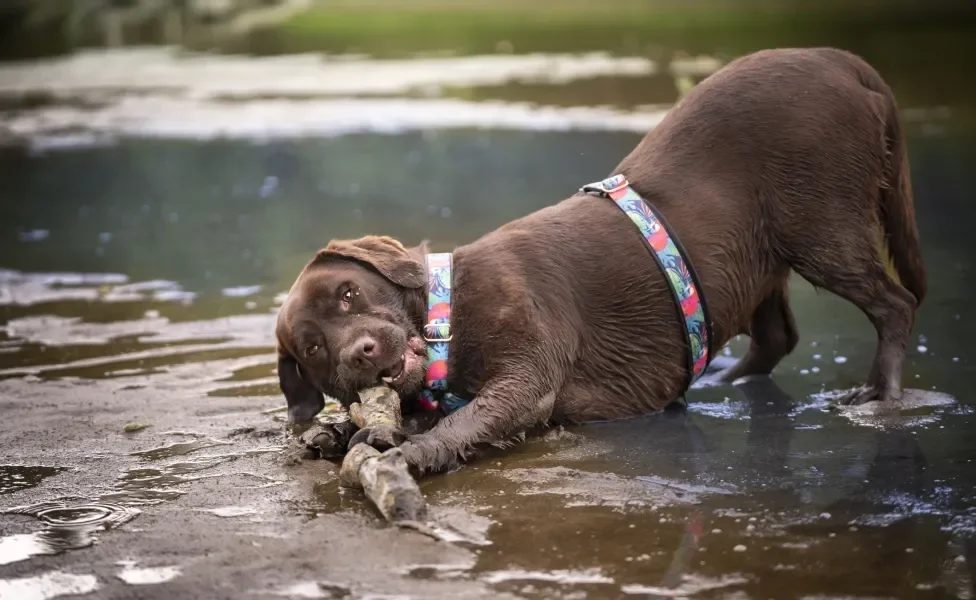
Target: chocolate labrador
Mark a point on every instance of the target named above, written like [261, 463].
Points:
[788, 159]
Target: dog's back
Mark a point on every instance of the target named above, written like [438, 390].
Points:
[784, 159]
[791, 159]
[781, 158]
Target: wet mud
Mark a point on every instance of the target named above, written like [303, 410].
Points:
[754, 489]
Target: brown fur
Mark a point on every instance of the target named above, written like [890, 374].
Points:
[783, 160]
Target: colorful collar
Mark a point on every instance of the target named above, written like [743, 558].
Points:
[673, 261]
[437, 333]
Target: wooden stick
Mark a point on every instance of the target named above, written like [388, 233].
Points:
[384, 477]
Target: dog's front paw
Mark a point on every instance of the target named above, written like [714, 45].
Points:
[381, 437]
[428, 455]
[327, 440]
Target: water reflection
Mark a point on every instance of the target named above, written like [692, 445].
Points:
[68, 526]
[815, 498]
[52, 584]
[14, 478]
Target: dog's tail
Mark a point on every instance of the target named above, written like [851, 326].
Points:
[899, 234]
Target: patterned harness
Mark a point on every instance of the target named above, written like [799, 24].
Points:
[663, 245]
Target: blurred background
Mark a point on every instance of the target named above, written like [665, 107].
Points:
[215, 143]
[219, 140]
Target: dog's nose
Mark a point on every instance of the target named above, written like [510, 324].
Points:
[364, 350]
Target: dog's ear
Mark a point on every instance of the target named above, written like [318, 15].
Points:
[304, 401]
[403, 266]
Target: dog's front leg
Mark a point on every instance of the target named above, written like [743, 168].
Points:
[504, 408]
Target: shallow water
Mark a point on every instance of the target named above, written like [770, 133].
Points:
[147, 236]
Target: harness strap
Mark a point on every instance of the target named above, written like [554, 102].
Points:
[673, 261]
[437, 334]
[663, 245]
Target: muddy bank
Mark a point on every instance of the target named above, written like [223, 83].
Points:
[201, 504]
[210, 510]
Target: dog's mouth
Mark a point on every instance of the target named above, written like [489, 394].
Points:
[408, 362]
[397, 373]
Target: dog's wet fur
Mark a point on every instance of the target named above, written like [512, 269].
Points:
[784, 160]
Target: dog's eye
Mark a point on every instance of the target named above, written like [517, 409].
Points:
[310, 350]
[347, 297]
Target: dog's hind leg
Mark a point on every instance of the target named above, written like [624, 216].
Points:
[848, 263]
[773, 334]
[849, 251]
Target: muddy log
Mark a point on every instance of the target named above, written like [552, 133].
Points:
[383, 476]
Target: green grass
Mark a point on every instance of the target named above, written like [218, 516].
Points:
[387, 29]
[922, 52]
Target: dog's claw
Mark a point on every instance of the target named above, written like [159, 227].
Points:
[862, 395]
[328, 440]
[381, 437]
[429, 457]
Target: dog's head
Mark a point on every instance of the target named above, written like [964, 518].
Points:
[352, 320]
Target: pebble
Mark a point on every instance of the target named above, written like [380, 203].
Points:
[923, 349]
[740, 548]
[716, 531]
[840, 360]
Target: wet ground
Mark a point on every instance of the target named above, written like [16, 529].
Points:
[154, 212]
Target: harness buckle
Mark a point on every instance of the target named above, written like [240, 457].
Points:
[606, 187]
[434, 332]
[594, 189]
